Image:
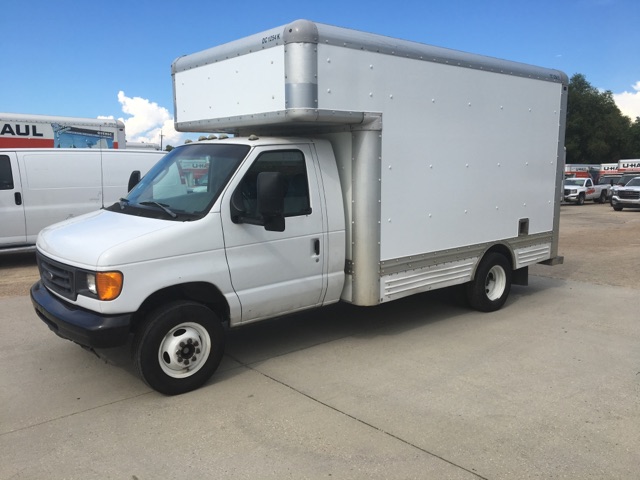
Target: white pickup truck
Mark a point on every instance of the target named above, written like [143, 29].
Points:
[627, 196]
[577, 190]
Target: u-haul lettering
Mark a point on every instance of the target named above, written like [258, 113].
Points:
[19, 130]
[635, 164]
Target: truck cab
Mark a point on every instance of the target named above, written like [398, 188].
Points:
[262, 235]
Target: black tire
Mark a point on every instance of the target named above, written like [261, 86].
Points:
[581, 199]
[617, 209]
[178, 347]
[489, 290]
[603, 197]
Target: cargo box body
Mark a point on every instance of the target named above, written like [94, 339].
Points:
[467, 151]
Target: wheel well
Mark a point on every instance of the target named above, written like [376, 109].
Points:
[498, 248]
[200, 292]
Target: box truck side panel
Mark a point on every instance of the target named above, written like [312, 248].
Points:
[471, 151]
[244, 85]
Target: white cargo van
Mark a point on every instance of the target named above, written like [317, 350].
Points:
[362, 169]
[42, 186]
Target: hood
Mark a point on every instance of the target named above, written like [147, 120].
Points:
[106, 239]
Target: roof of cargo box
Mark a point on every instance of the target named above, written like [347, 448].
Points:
[274, 81]
[305, 31]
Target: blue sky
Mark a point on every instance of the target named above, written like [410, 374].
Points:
[89, 59]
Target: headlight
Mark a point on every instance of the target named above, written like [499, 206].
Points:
[104, 285]
[573, 191]
[91, 283]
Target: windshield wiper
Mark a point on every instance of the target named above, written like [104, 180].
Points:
[123, 203]
[162, 206]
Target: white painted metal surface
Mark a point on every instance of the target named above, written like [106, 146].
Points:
[244, 85]
[57, 184]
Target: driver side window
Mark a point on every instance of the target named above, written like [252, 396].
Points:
[6, 177]
[292, 165]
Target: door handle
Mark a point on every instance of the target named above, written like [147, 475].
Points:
[18, 198]
[316, 246]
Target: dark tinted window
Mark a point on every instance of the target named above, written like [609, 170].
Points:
[6, 177]
[292, 165]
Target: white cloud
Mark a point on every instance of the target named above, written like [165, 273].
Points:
[147, 121]
[629, 102]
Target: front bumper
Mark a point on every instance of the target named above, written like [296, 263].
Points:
[87, 328]
[624, 202]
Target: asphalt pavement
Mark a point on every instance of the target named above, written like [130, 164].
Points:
[425, 388]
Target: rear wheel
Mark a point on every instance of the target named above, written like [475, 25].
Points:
[603, 197]
[489, 290]
[178, 347]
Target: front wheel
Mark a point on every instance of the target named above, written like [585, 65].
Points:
[581, 199]
[617, 209]
[489, 290]
[178, 347]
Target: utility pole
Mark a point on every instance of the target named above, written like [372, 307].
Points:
[161, 140]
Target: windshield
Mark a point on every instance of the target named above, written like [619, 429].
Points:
[625, 178]
[609, 180]
[634, 183]
[185, 183]
[574, 182]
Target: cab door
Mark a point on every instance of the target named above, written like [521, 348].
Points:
[276, 272]
[13, 231]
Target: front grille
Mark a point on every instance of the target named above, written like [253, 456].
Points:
[57, 277]
[629, 194]
[567, 192]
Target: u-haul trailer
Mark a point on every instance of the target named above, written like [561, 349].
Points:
[42, 131]
[362, 169]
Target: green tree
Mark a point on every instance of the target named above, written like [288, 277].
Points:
[597, 131]
[633, 140]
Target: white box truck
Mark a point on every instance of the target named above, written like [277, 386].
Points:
[362, 169]
[43, 186]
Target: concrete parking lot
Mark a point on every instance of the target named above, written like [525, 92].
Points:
[547, 387]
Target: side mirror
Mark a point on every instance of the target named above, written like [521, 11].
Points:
[237, 207]
[271, 192]
[134, 179]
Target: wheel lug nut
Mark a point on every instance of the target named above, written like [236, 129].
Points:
[180, 360]
[190, 341]
[182, 344]
[194, 358]
[186, 362]
[196, 344]
[197, 350]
